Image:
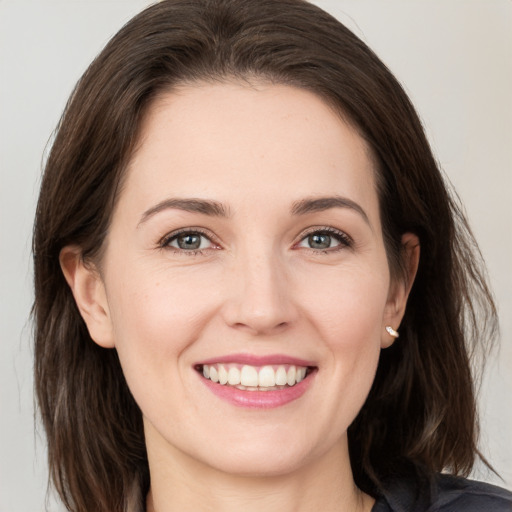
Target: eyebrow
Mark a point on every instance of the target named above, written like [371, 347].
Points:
[204, 206]
[320, 204]
[216, 209]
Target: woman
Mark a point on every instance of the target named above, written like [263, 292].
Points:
[252, 287]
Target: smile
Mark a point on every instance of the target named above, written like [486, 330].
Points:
[257, 382]
[255, 378]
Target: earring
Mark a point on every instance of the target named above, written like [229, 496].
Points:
[392, 331]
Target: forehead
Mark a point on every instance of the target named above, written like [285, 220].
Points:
[235, 141]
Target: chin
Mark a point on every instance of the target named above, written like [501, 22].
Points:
[260, 465]
[266, 454]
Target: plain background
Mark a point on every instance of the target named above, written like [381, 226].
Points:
[454, 57]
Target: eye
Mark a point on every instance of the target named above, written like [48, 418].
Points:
[189, 241]
[325, 239]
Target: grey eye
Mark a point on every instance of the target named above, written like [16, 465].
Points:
[323, 240]
[189, 241]
[319, 241]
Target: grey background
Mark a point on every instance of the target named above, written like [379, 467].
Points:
[454, 57]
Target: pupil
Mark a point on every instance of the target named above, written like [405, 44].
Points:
[189, 242]
[319, 241]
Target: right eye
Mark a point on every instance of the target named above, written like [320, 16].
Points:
[188, 241]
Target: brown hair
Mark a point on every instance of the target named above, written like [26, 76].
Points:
[420, 412]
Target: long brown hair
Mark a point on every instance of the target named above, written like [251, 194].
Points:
[420, 412]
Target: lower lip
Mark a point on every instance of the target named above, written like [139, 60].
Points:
[259, 399]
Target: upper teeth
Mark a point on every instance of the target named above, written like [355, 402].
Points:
[253, 376]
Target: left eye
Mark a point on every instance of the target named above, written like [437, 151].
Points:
[189, 241]
[322, 240]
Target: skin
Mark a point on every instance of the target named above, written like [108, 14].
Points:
[256, 286]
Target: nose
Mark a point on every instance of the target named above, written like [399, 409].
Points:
[260, 297]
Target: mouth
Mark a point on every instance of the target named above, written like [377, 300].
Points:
[246, 377]
[257, 382]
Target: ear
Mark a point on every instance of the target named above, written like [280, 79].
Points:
[89, 293]
[401, 287]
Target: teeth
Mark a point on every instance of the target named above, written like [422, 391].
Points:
[233, 376]
[223, 375]
[214, 375]
[281, 377]
[290, 378]
[249, 376]
[253, 378]
[267, 377]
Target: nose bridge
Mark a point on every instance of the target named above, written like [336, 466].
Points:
[260, 300]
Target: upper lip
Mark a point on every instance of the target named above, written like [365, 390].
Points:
[254, 360]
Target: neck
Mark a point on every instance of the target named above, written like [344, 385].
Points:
[324, 484]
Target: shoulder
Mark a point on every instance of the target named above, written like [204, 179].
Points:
[443, 493]
[455, 493]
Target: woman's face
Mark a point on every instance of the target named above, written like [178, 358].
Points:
[247, 239]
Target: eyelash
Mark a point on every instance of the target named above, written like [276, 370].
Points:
[344, 240]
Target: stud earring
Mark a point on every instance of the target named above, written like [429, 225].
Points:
[392, 331]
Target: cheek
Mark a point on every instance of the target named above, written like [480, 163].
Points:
[349, 304]
[349, 321]
[156, 317]
[154, 307]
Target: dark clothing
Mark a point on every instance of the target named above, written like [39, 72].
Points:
[445, 493]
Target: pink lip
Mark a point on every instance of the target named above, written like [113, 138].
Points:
[258, 360]
[259, 399]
